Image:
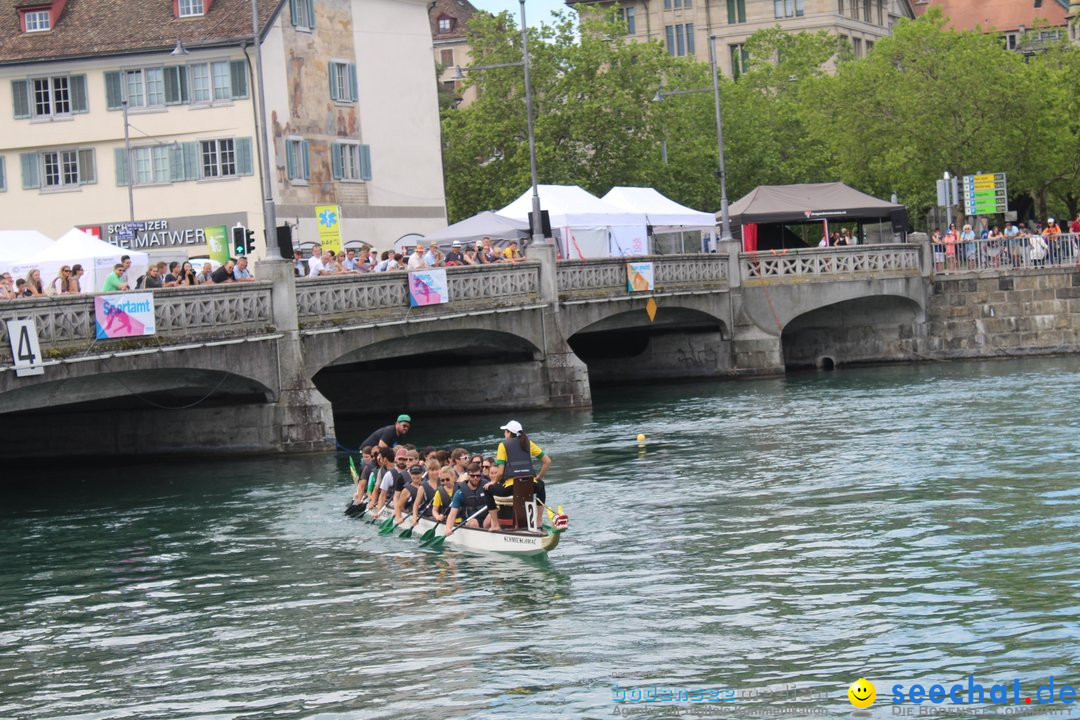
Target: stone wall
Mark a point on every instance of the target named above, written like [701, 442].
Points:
[1034, 311]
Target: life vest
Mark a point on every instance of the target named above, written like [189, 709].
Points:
[412, 490]
[444, 500]
[518, 461]
[429, 495]
[472, 499]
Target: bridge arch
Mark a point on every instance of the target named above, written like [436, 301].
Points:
[484, 362]
[861, 330]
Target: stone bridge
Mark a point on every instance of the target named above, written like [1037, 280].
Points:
[265, 366]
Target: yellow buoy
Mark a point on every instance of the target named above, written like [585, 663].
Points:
[641, 438]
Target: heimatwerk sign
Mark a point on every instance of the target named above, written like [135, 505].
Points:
[163, 232]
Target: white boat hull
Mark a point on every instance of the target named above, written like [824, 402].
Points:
[514, 542]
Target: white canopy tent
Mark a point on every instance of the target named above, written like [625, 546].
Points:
[18, 245]
[584, 225]
[664, 214]
[96, 256]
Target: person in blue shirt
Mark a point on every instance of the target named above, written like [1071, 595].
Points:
[241, 272]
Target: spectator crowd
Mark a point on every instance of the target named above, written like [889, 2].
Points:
[1015, 245]
[366, 260]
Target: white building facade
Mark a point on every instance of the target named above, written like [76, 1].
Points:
[350, 87]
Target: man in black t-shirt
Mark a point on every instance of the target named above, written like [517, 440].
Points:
[224, 273]
[390, 435]
[454, 257]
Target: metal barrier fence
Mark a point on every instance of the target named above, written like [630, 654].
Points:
[1021, 251]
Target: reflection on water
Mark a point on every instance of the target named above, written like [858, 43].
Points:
[906, 524]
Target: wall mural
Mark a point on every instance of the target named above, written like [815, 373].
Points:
[311, 114]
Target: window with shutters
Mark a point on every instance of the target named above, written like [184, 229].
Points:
[626, 16]
[303, 14]
[49, 97]
[144, 87]
[191, 8]
[740, 59]
[788, 8]
[351, 160]
[62, 169]
[342, 81]
[217, 82]
[297, 163]
[218, 158]
[151, 164]
[446, 58]
[37, 20]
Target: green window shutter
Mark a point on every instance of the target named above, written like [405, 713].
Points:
[3, 175]
[30, 171]
[352, 82]
[20, 94]
[290, 161]
[731, 18]
[114, 97]
[292, 12]
[243, 156]
[335, 159]
[238, 78]
[191, 160]
[78, 93]
[332, 71]
[365, 162]
[310, 12]
[87, 167]
[121, 166]
[305, 151]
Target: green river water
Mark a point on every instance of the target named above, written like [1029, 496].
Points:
[774, 541]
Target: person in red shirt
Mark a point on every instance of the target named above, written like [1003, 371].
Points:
[1074, 226]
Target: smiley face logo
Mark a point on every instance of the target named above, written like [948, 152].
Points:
[862, 693]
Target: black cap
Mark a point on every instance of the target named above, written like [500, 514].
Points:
[417, 470]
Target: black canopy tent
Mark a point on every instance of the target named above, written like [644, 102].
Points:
[773, 207]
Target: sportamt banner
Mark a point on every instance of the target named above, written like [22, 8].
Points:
[127, 315]
[428, 287]
[639, 277]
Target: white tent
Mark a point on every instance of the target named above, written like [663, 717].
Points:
[584, 225]
[664, 214]
[17, 245]
[77, 247]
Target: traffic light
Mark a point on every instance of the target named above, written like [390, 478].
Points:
[239, 241]
[249, 242]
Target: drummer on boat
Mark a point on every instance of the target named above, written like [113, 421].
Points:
[391, 435]
[514, 461]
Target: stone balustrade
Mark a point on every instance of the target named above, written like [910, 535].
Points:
[606, 277]
[830, 263]
[67, 321]
[326, 300]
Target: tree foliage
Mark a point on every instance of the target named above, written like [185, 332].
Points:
[926, 100]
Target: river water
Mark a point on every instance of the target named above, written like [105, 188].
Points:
[779, 538]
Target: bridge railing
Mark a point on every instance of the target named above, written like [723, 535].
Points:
[385, 295]
[66, 322]
[825, 263]
[1001, 254]
[606, 277]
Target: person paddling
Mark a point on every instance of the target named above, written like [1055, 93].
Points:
[409, 494]
[514, 461]
[469, 498]
[390, 435]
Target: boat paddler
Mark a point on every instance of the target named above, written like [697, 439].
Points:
[469, 498]
[514, 460]
[390, 435]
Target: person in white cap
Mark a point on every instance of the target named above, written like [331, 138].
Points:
[514, 461]
[454, 257]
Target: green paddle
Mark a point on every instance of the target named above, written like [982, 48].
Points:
[407, 532]
[437, 542]
[354, 509]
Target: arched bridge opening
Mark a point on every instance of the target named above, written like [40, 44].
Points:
[135, 413]
[872, 329]
[677, 343]
[466, 369]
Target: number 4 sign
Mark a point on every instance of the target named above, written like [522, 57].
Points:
[24, 347]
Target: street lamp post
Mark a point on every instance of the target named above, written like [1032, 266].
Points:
[129, 164]
[537, 225]
[725, 220]
[269, 217]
